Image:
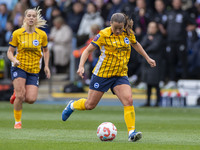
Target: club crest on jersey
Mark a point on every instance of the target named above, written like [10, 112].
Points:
[35, 42]
[96, 37]
[96, 85]
[15, 74]
[126, 40]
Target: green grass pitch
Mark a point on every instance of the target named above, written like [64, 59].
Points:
[162, 128]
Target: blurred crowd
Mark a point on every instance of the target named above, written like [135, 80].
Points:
[169, 31]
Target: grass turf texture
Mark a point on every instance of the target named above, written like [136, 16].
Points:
[163, 128]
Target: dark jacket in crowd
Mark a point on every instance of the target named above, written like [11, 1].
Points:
[128, 9]
[154, 50]
[5, 38]
[142, 21]
[177, 20]
[73, 20]
[160, 18]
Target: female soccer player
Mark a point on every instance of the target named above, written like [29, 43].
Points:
[111, 70]
[29, 41]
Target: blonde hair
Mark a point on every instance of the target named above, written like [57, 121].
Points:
[41, 23]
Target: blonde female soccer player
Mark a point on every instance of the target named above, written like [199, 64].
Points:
[29, 40]
[111, 70]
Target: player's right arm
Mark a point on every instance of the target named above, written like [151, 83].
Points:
[84, 58]
[11, 49]
[10, 55]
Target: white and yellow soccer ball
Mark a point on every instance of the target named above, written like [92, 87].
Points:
[106, 131]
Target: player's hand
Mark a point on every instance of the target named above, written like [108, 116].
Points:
[16, 63]
[151, 62]
[47, 72]
[81, 71]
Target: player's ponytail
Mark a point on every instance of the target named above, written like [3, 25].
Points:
[128, 23]
[41, 23]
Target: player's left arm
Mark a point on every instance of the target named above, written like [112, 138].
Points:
[46, 55]
[142, 52]
[46, 62]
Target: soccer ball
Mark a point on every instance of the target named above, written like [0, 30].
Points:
[106, 131]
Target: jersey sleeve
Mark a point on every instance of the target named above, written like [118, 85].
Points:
[45, 40]
[98, 40]
[13, 40]
[132, 39]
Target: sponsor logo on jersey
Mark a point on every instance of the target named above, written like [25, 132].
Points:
[126, 40]
[35, 42]
[96, 37]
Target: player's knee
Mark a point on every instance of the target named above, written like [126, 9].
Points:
[129, 101]
[30, 100]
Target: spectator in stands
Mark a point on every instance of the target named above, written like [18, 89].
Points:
[25, 4]
[20, 23]
[17, 13]
[99, 4]
[64, 5]
[197, 15]
[34, 3]
[10, 4]
[61, 36]
[160, 17]
[142, 18]
[152, 43]
[116, 8]
[92, 16]
[193, 42]
[56, 13]
[128, 8]
[103, 7]
[73, 17]
[4, 15]
[7, 33]
[178, 22]
[47, 7]
[85, 3]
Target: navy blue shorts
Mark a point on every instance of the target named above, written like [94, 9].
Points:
[104, 84]
[31, 78]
